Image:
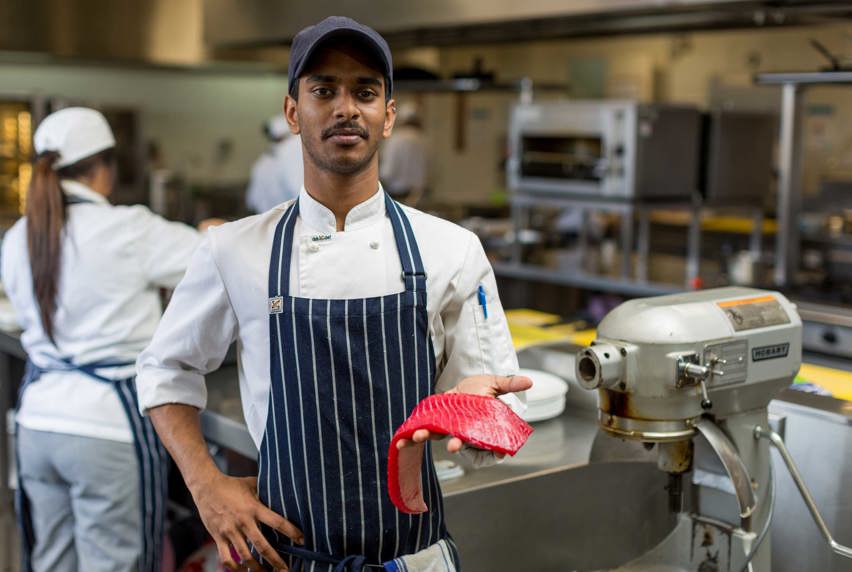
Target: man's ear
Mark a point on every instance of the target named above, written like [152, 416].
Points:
[291, 114]
[390, 118]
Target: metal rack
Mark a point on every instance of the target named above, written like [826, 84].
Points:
[790, 162]
[635, 219]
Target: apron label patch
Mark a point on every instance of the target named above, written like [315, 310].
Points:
[320, 237]
[276, 305]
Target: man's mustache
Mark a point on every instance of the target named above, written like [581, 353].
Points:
[345, 128]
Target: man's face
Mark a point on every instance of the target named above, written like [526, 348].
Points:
[341, 112]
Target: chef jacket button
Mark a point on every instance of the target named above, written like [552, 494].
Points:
[374, 245]
[314, 248]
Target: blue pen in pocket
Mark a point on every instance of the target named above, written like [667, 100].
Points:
[482, 302]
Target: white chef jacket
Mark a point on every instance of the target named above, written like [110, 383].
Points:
[224, 297]
[114, 259]
[403, 162]
[276, 176]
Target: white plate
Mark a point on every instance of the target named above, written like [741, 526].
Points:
[546, 398]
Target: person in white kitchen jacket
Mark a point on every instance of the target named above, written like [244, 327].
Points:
[83, 277]
[348, 309]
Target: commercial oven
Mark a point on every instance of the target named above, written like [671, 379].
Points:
[615, 150]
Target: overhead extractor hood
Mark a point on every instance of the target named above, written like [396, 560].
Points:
[446, 22]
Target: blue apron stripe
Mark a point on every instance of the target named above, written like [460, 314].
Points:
[284, 387]
[157, 486]
[390, 412]
[152, 479]
[355, 433]
[304, 477]
[316, 399]
[148, 477]
[338, 437]
[378, 477]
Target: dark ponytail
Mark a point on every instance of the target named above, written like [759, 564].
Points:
[45, 219]
[46, 210]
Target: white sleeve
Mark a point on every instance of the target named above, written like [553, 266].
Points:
[167, 248]
[192, 339]
[475, 343]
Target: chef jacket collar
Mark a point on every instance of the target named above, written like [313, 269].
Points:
[318, 218]
[80, 190]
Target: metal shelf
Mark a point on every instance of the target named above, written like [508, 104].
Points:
[804, 78]
[788, 239]
[473, 84]
[582, 280]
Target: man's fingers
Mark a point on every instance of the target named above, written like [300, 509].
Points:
[281, 524]
[247, 561]
[423, 435]
[224, 549]
[262, 545]
[454, 445]
[511, 383]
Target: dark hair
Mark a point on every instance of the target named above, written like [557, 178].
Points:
[45, 214]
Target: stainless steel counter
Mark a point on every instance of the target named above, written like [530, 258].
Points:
[560, 443]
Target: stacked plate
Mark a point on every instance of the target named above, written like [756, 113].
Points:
[546, 399]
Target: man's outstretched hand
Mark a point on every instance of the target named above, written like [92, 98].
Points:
[488, 385]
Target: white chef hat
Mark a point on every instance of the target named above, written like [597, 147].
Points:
[75, 133]
[277, 127]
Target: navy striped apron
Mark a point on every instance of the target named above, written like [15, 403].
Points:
[151, 456]
[344, 375]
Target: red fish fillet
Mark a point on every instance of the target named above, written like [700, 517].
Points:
[484, 422]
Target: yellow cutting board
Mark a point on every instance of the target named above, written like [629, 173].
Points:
[838, 382]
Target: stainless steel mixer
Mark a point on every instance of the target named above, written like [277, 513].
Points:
[691, 375]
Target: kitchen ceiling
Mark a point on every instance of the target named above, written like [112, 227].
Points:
[455, 22]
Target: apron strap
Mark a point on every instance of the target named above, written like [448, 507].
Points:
[75, 200]
[413, 272]
[282, 251]
[351, 563]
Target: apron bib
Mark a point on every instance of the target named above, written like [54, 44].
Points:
[344, 375]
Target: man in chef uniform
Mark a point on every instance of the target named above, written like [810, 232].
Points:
[348, 310]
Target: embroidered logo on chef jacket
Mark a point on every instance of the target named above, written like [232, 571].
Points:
[320, 237]
[276, 305]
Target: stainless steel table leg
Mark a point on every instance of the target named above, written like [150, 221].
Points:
[756, 243]
[583, 238]
[789, 186]
[643, 246]
[693, 255]
[626, 243]
[517, 226]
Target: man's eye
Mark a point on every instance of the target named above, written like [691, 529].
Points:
[322, 91]
[366, 94]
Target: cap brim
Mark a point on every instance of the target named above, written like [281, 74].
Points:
[365, 39]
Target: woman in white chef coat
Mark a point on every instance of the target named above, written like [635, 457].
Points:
[83, 277]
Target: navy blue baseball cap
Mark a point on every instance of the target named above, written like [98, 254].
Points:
[308, 40]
